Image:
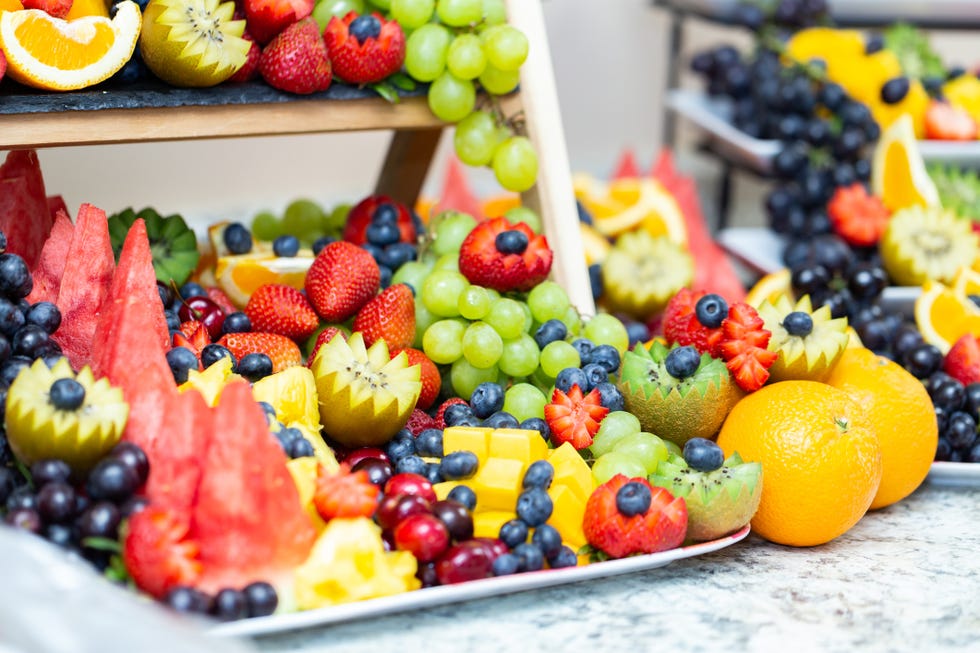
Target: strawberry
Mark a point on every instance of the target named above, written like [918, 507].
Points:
[3, 64]
[946, 122]
[277, 308]
[389, 316]
[265, 19]
[420, 420]
[620, 521]
[963, 360]
[364, 212]
[441, 413]
[857, 217]
[431, 379]
[296, 60]
[249, 69]
[193, 335]
[518, 267]
[157, 552]
[743, 347]
[345, 493]
[283, 351]
[681, 325]
[364, 49]
[56, 8]
[219, 297]
[323, 338]
[574, 418]
[341, 280]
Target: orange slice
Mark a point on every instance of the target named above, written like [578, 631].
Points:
[57, 55]
[239, 276]
[10, 5]
[770, 287]
[943, 315]
[630, 203]
[967, 282]
[82, 8]
[898, 173]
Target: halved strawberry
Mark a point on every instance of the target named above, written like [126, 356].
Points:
[389, 316]
[277, 308]
[283, 351]
[266, 18]
[743, 347]
[323, 338]
[192, 335]
[420, 420]
[219, 297]
[857, 217]
[431, 379]
[157, 552]
[946, 122]
[345, 493]
[573, 417]
[681, 325]
[482, 263]
[378, 54]
[963, 360]
[359, 219]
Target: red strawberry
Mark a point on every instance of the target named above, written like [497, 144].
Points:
[249, 69]
[323, 338]
[57, 8]
[743, 347]
[441, 413]
[366, 52]
[218, 296]
[483, 264]
[359, 219]
[661, 526]
[420, 420]
[681, 325]
[857, 217]
[157, 552]
[3, 64]
[946, 122]
[345, 493]
[963, 360]
[296, 60]
[267, 18]
[431, 379]
[283, 351]
[277, 308]
[192, 335]
[341, 280]
[574, 418]
[389, 316]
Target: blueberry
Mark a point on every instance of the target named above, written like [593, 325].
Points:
[56, 503]
[536, 424]
[550, 331]
[131, 455]
[429, 443]
[45, 315]
[11, 368]
[181, 360]
[458, 465]
[237, 239]
[411, 464]
[398, 254]
[432, 473]
[513, 533]
[59, 534]
[399, 447]
[322, 242]
[8, 482]
[595, 374]
[456, 412]
[534, 506]
[511, 241]
[682, 362]
[173, 320]
[961, 431]
[573, 376]
[539, 474]
[564, 558]
[382, 234]
[29, 340]
[710, 310]
[25, 519]
[236, 322]
[260, 599]
[703, 455]
[214, 352]
[3, 242]
[133, 505]
[49, 470]
[487, 398]
[287, 435]
[465, 495]
[637, 332]
[5, 349]
[595, 280]
[364, 27]
[607, 356]
[385, 212]
[530, 556]
[102, 519]
[798, 323]
[611, 397]
[187, 600]
[548, 539]
[11, 318]
[501, 420]
[506, 565]
[269, 410]
[15, 279]
[229, 605]
[583, 213]
[255, 366]
[386, 276]
[301, 448]
[111, 480]
[633, 499]
[584, 347]
[285, 245]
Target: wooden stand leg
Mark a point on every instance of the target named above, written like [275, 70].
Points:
[407, 164]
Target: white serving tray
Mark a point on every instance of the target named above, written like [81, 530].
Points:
[955, 474]
[479, 589]
[864, 12]
[711, 115]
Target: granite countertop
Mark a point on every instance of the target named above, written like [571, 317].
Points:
[906, 578]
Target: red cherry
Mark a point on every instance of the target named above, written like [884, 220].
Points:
[393, 509]
[496, 546]
[378, 471]
[355, 456]
[204, 311]
[458, 520]
[406, 483]
[463, 562]
[423, 535]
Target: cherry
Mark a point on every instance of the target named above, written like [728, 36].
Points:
[466, 561]
[422, 535]
[393, 509]
[496, 546]
[355, 456]
[458, 520]
[204, 311]
[407, 483]
[378, 470]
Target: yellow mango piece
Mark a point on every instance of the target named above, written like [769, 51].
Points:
[292, 392]
[571, 470]
[303, 471]
[518, 444]
[497, 483]
[567, 516]
[964, 91]
[487, 524]
[915, 103]
[443, 489]
[467, 438]
[210, 381]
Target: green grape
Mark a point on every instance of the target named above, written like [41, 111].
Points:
[507, 317]
[506, 47]
[412, 13]
[614, 427]
[548, 301]
[614, 462]
[606, 329]
[424, 318]
[441, 291]
[475, 303]
[494, 12]
[525, 215]
[266, 226]
[447, 262]
[381, 4]
[475, 139]
[465, 58]
[520, 356]
[425, 52]
[515, 164]
[465, 377]
[304, 219]
[572, 321]
[412, 273]
[482, 346]
[542, 381]
[324, 10]
[673, 448]
[457, 13]
[645, 448]
[499, 82]
[443, 341]
[523, 401]
[451, 99]
[334, 220]
[450, 229]
[558, 355]
[528, 317]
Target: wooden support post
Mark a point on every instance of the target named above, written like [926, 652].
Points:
[407, 163]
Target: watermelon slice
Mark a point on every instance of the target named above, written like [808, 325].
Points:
[177, 451]
[51, 264]
[56, 203]
[456, 192]
[627, 167]
[25, 217]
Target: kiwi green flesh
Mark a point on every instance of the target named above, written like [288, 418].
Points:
[173, 244]
[646, 370]
[959, 190]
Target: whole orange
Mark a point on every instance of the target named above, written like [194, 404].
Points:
[821, 463]
[903, 417]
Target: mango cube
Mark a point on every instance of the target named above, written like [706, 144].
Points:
[487, 524]
[518, 444]
[497, 484]
[467, 438]
[568, 515]
[443, 489]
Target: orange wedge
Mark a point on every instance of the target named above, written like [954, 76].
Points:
[943, 315]
[898, 172]
[967, 282]
[770, 287]
[10, 5]
[83, 8]
[629, 203]
[58, 55]
[496, 206]
[239, 276]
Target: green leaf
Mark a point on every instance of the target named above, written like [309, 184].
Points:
[386, 91]
[102, 544]
[25, 472]
[403, 81]
[915, 54]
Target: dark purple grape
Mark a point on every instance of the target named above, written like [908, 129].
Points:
[943, 450]
[906, 338]
[56, 502]
[25, 519]
[131, 455]
[961, 431]
[874, 335]
[922, 360]
[100, 520]
[949, 396]
[810, 279]
[50, 470]
[866, 282]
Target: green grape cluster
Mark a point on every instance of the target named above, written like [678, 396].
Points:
[303, 218]
[622, 447]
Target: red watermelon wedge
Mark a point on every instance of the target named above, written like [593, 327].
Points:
[56, 203]
[177, 449]
[84, 284]
[627, 167]
[25, 217]
[456, 192]
[51, 264]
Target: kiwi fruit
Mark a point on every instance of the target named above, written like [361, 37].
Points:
[173, 244]
[642, 272]
[959, 190]
[922, 244]
[676, 409]
[41, 424]
[809, 342]
[719, 502]
[364, 395]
